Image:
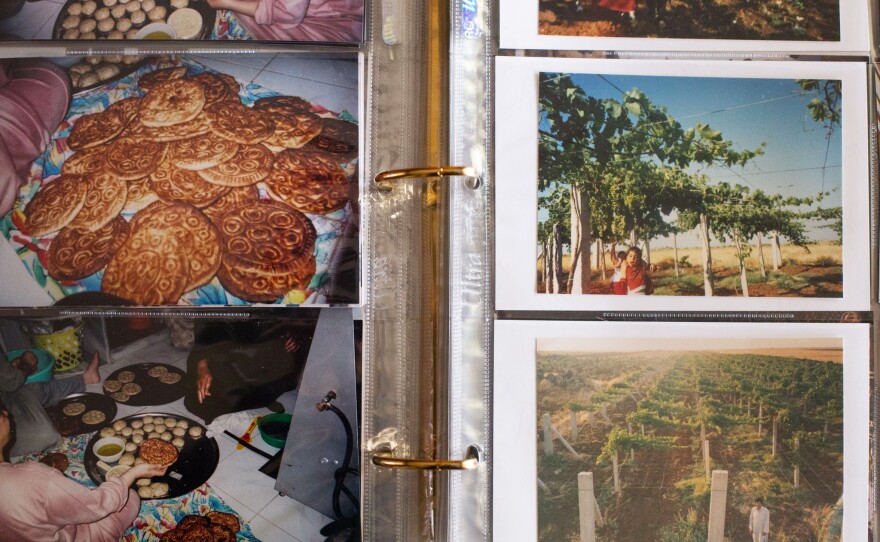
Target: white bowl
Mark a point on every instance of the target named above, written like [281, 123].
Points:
[156, 28]
[186, 22]
[109, 440]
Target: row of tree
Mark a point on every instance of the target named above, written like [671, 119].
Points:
[618, 169]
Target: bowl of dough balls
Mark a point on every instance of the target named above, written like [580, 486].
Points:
[125, 19]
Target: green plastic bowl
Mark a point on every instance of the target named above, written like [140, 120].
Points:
[274, 428]
[45, 362]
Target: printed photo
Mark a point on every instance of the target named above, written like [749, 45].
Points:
[826, 26]
[142, 429]
[181, 180]
[687, 432]
[316, 21]
[687, 186]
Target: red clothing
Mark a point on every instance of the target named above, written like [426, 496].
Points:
[306, 20]
[33, 101]
[638, 282]
[618, 5]
[39, 503]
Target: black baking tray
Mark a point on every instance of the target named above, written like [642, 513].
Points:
[153, 392]
[209, 17]
[73, 425]
[195, 463]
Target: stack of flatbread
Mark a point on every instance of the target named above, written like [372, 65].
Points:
[185, 159]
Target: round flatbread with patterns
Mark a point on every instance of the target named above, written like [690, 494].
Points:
[55, 205]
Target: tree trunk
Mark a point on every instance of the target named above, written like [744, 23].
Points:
[761, 266]
[556, 271]
[596, 254]
[648, 251]
[579, 278]
[642, 428]
[773, 447]
[708, 278]
[743, 278]
[602, 266]
[760, 418]
[675, 254]
[633, 238]
[545, 265]
[776, 250]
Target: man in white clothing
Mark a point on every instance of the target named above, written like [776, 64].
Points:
[759, 521]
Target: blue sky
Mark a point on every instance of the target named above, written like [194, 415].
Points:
[798, 159]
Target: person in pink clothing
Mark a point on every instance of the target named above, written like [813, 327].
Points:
[330, 21]
[39, 503]
[34, 97]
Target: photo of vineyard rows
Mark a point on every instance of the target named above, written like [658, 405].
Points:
[669, 444]
[727, 186]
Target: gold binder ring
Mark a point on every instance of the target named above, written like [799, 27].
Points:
[383, 180]
[470, 462]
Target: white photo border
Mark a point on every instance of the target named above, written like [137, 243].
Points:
[519, 30]
[516, 194]
[515, 403]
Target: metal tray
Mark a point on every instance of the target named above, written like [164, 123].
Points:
[73, 425]
[153, 392]
[195, 463]
[209, 16]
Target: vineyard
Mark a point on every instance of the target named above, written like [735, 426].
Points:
[617, 170]
[651, 427]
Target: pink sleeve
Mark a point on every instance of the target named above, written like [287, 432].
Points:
[71, 503]
[283, 12]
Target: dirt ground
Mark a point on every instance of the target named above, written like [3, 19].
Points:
[705, 19]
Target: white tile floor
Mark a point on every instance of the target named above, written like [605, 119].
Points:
[237, 480]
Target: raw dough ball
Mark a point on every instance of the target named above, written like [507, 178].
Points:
[148, 419]
[157, 13]
[138, 432]
[93, 60]
[88, 36]
[148, 426]
[171, 422]
[70, 34]
[178, 431]
[118, 11]
[195, 432]
[115, 59]
[74, 8]
[131, 35]
[147, 5]
[126, 459]
[107, 431]
[115, 35]
[179, 4]
[123, 25]
[138, 461]
[160, 489]
[138, 17]
[89, 7]
[88, 25]
[145, 492]
[178, 442]
[126, 431]
[141, 482]
[137, 424]
[109, 3]
[102, 13]
[166, 437]
[71, 21]
[124, 1]
[133, 6]
[183, 423]
[130, 446]
[154, 435]
[132, 59]
[106, 72]
[137, 439]
[161, 428]
[106, 25]
[119, 425]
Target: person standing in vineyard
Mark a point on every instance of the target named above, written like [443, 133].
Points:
[636, 275]
[759, 521]
[618, 282]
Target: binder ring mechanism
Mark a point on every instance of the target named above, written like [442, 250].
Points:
[385, 458]
[384, 179]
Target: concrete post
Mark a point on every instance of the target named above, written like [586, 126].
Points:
[616, 469]
[574, 426]
[587, 507]
[707, 459]
[717, 506]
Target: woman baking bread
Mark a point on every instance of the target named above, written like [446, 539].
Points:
[299, 20]
[37, 502]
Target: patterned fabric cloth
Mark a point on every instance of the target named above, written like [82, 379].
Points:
[228, 27]
[32, 251]
[155, 516]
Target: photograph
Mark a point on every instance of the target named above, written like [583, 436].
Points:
[300, 21]
[176, 428]
[733, 432]
[691, 186]
[180, 180]
[827, 26]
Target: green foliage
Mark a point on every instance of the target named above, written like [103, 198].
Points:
[688, 528]
[694, 490]
[619, 440]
